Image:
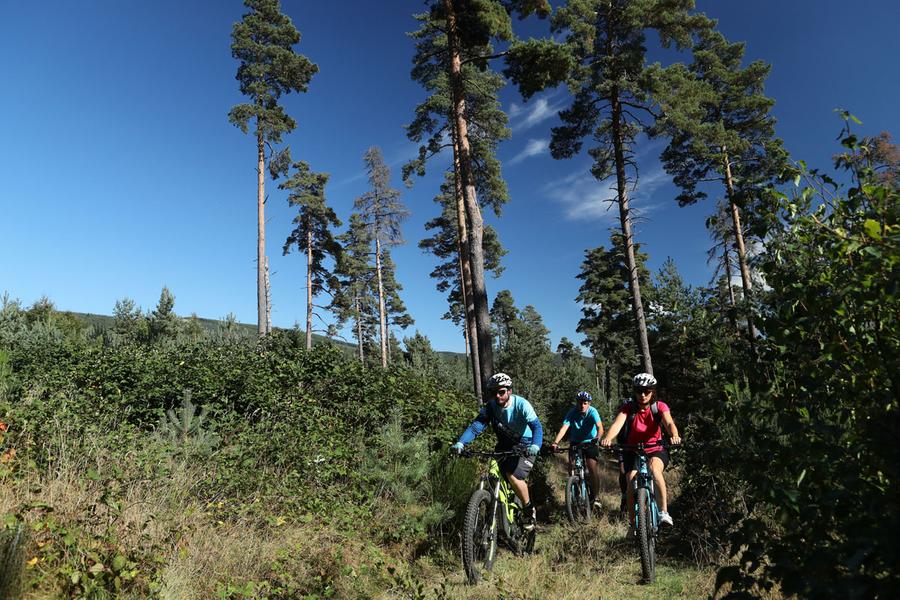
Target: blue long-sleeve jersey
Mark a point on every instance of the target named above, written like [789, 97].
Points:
[515, 424]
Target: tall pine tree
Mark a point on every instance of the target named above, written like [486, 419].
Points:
[263, 42]
[722, 129]
[383, 213]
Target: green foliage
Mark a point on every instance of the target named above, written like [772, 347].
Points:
[263, 43]
[183, 427]
[820, 419]
[397, 479]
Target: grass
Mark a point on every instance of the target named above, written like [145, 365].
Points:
[184, 548]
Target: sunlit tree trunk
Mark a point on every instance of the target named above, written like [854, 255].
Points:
[625, 220]
[309, 282]
[262, 305]
[741, 250]
[472, 210]
[382, 319]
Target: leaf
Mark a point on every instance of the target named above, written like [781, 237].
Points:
[873, 229]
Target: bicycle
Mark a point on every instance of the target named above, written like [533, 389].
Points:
[493, 509]
[578, 490]
[646, 511]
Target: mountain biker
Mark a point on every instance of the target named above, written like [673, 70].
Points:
[645, 426]
[516, 426]
[583, 424]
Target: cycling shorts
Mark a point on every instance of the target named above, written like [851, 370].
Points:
[519, 466]
[591, 451]
[630, 459]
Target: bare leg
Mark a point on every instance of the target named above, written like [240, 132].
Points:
[656, 467]
[594, 469]
[629, 492]
[519, 487]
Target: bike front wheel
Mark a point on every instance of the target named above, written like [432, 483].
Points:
[578, 503]
[646, 541]
[479, 536]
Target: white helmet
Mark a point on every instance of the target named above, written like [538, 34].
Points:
[644, 380]
[499, 380]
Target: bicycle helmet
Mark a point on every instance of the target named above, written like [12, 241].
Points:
[644, 380]
[499, 380]
[584, 396]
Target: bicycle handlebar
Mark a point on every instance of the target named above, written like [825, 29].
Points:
[635, 447]
[575, 446]
[466, 453]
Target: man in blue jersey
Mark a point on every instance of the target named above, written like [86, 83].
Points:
[583, 424]
[516, 425]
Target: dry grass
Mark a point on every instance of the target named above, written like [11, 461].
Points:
[198, 554]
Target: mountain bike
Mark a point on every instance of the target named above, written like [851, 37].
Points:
[493, 511]
[646, 511]
[578, 490]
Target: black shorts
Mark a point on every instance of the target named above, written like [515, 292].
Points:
[630, 459]
[591, 451]
[519, 466]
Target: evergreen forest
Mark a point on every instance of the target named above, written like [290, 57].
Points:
[152, 454]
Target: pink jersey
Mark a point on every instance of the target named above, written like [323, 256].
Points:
[644, 428]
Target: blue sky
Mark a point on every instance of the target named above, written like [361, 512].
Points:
[121, 173]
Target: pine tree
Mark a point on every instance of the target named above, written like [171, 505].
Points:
[354, 299]
[722, 129]
[128, 322]
[396, 314]
[503, 314]
[312, 233]
[456, 36]
[163, 324]
[606, 41]
[263, 42]
[450, 274]
[383, 212]
[608, 319]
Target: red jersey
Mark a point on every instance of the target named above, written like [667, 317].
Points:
[644, 428]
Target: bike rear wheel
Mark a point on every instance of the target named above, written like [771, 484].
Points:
[646, 541]
[479, 542]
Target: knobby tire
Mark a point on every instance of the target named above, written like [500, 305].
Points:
[646, 543]
[479, 549]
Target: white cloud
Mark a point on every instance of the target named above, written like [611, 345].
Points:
[541, 110]
[585, 199]
[532, 148]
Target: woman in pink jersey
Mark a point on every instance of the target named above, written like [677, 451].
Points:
[644, 425]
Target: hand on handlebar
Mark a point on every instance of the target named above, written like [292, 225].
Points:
[554, 447]
[606, 442]
[456, 448]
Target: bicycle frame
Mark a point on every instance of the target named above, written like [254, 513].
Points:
[644, 479]
[503, 499]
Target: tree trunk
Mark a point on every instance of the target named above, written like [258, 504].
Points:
[262, 305]
[268, 299]
[742, 254]
[473, 211]
[637, 306]
[309, 295]
[726, 256]
[381, 316]
[465, 271]
[359, 334]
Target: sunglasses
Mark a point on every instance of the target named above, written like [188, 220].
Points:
[502, 391]
[643, 390]
[584, 401]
